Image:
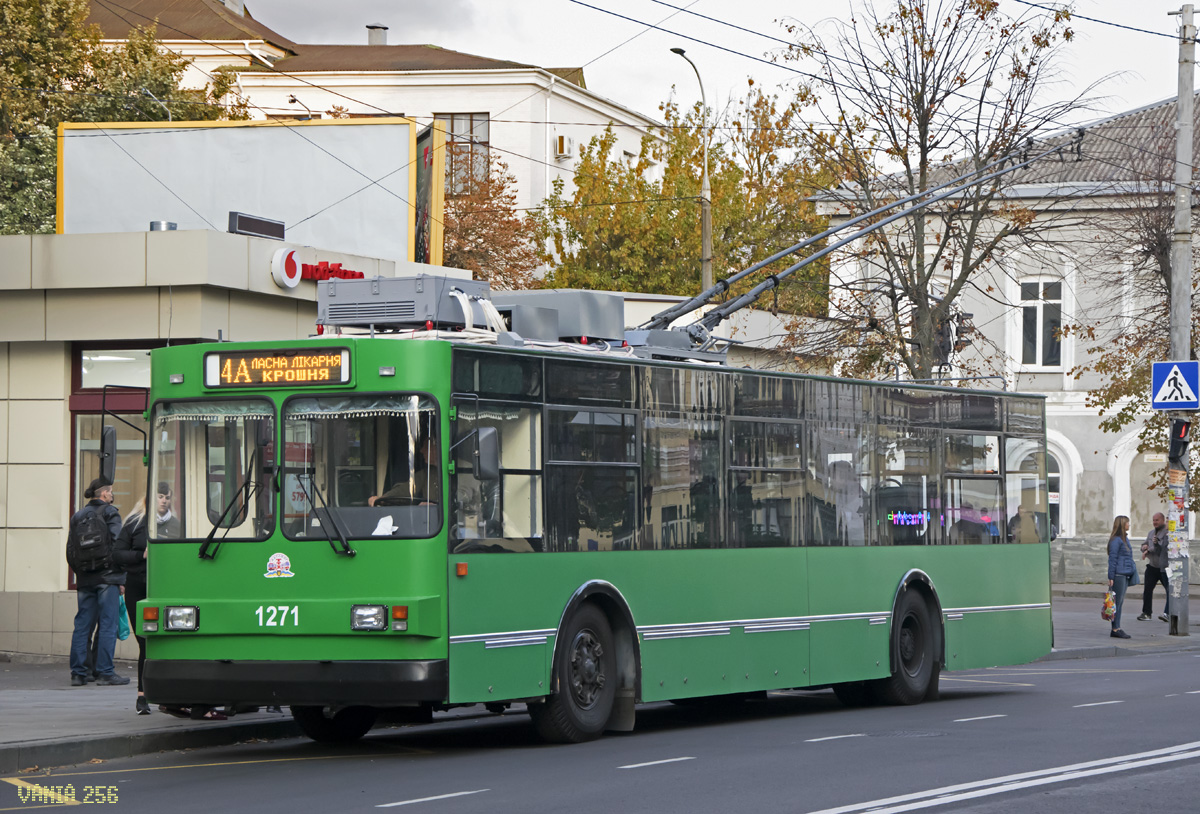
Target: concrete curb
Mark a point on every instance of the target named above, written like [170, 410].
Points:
[1109, 651]
[66, 752]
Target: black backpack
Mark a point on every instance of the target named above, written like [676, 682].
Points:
[89, 542]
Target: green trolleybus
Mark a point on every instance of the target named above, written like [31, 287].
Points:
[375, 527]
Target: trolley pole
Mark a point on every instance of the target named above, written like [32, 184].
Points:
[1180, 323]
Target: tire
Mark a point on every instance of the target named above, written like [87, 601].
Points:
[916, 642]
[345, 726]
[585, 680]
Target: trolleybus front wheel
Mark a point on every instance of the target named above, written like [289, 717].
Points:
[344, 726]
[916, 645]
[585, 673]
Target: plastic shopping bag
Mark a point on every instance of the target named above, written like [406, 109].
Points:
[122, 620]
[1110, 607]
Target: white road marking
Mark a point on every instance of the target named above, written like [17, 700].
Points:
[430, 799]
[1192, 692]
[982, 681]
[1097, 704]
[655, 762]
[980, 718]
[1015, 782]
[835, 737]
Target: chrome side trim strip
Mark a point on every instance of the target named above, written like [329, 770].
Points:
[515, 641]
[685, 632]
[495, 635]
[517, 638]
[997, 608]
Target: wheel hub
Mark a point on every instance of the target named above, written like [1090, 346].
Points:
[587, 669]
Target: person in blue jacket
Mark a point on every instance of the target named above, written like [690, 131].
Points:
[1121, 569]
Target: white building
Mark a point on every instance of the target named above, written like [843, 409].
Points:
[536, 119]
[1080, 272]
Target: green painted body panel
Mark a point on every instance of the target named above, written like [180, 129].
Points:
[229, 588]
[506, 595]
[708, 621]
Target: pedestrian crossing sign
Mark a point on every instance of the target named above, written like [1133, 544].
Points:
[1174, 386]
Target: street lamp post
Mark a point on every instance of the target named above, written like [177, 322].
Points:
[706, 277]
[294, 101]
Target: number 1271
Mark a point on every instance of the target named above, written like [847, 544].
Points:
[277, 615]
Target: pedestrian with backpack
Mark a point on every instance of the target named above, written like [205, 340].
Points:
[99, 580]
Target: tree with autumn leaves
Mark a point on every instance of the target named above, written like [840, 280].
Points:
[1129, 249]
[915, 95]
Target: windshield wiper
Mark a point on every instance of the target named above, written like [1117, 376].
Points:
[246, 491]
[331, 513]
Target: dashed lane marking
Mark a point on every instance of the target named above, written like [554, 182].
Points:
[980, 718]
[982, 681]
[835, 737]
[655, 762]
[431, 799]
[1097, 704]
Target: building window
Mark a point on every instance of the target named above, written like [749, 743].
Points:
[1041, 321]
[114, 366]
[467, 141]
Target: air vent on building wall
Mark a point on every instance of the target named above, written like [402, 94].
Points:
[564, 147]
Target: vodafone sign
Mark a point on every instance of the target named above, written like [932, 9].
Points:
[287, 271]
[285, 268]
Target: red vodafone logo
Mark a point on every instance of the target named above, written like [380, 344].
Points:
[285, 270]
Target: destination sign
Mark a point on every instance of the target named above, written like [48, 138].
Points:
[311, 367]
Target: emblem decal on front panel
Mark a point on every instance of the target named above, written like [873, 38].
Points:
[278, 565]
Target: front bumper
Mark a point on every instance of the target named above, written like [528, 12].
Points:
[308, 683]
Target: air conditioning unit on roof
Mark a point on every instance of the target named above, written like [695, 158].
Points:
[564, 147]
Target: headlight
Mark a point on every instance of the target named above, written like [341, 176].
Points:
[368, 617]
[182, 618]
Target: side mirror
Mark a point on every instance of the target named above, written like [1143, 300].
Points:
[487, 454]
[108, 452]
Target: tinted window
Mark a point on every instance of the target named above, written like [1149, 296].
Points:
[838, 499]
[495, 375]
[767, 397]
[588, 382]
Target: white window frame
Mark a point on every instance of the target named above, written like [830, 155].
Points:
[1040, 280]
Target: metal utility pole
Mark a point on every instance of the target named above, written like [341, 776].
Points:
[1181, 311]
[706, 277]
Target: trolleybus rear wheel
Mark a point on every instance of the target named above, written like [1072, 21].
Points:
[915, 644]
[585, 672]
[344, 726]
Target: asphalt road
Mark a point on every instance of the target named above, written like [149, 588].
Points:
[1064, 737]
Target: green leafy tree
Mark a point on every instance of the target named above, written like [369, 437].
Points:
[53, 69]
[623, 228]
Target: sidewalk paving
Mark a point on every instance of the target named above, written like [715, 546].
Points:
[46, 722]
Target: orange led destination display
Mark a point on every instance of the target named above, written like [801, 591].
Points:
[311, 367]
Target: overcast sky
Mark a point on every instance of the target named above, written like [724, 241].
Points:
[631, 64]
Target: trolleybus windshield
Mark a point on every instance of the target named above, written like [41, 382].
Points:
[369, 466]
[210, 460]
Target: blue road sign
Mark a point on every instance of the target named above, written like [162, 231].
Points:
[1175, 385]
